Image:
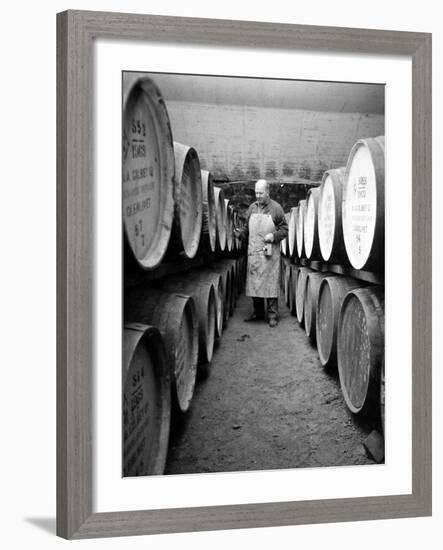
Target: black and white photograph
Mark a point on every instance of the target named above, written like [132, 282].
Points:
[253, 274]
[223, 333]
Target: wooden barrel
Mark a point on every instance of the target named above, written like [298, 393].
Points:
[292, 226]
[188, 203]
[229, 226]
[210, 276]
[382, 396]
[146, 401]
[310, 229]
[234, 276]
[236, 266]
[363, 205]
[299, 238]
[234, 224]
[360, 348]
[287, 284]
[147, 174]
[240, 273]
[282, 272]
[235, 241]
[330, 231]
[284, 246]
[236, 221]
[239, 262]
[284, 265]
[220, 215]
[332, 291]
[228, 288]
[204, 297]
[234, 270]
[209, 225]
[241, 225]
[243, 263]
[175, 316]
[228, 265]
[302, 276]
[235, 289]
[129, 79]
[293, 290]
[244, 245]
[238, 270]
[313, 283]
[381, 141]
[226, 274]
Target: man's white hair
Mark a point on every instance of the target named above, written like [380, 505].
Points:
[264, 183]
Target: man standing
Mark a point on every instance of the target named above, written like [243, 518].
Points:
[265, 227]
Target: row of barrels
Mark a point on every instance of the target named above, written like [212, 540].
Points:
[342, 220]
[170, 332]
[171, 207]
[344, 318]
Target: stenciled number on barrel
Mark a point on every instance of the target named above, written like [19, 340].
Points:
[138, 127]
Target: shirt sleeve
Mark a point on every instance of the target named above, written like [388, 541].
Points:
[281, 231]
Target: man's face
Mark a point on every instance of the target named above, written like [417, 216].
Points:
[261, 192]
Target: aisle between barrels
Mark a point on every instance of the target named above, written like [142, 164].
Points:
[266, 404]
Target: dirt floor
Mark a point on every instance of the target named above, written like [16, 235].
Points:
[266, 404]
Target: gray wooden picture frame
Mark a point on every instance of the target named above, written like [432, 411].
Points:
[76, 32]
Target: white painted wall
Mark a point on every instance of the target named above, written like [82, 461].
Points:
[281, 130]
[241, 142]
[28, 275]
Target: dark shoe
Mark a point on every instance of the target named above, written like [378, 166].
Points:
[252, 318]
[273, 323]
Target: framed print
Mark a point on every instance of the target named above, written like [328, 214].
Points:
[152, 113]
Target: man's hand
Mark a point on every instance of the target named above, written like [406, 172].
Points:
[269, 238]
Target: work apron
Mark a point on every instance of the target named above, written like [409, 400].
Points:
[263, 274]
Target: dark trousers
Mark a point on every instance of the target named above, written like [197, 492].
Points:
[271, 305]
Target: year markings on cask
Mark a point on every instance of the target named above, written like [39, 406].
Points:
[147, 173]
[146, 401]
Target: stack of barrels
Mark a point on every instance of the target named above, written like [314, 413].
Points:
[341, 224]
[342, 220]
[172, 213]
[171, 208]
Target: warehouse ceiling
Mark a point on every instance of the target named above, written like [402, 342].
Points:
[284, 94]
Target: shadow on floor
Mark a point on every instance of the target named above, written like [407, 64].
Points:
[46, 524]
